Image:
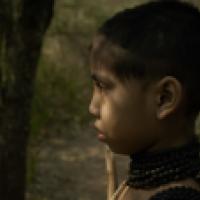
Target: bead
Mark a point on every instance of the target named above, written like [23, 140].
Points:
[177, 193]
[149, 170]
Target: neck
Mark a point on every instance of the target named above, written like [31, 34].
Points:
[174, 133]
[152, 169]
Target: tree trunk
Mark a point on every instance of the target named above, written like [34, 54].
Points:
[22, 28]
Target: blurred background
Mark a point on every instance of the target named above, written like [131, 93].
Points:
[65, 160]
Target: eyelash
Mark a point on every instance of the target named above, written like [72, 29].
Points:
[100, 85]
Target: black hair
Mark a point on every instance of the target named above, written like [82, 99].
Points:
[151, 41]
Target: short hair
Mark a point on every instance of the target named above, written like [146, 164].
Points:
[151, 41]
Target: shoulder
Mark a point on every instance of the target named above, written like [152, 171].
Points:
[177, 193]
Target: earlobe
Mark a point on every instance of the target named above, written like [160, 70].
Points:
[169, 96]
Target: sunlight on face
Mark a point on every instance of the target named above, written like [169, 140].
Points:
[121, 110]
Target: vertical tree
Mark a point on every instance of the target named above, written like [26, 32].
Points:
[22, 29]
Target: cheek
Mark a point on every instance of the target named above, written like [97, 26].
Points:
[110, 115]
[122, 118]
[115, 117]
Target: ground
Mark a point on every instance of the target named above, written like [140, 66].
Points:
[72, 169]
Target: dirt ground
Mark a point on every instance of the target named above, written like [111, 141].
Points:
[72, 169]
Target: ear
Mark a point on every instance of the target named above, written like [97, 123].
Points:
[169, 96]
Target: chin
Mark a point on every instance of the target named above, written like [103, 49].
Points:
[125, 151]
[118, 150]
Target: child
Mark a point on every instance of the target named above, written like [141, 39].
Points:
[145, 63]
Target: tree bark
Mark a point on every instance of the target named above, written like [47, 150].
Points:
[22, 29]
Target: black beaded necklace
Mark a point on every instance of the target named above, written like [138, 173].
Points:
[149, 170]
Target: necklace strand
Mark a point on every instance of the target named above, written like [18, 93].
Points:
[148, 170]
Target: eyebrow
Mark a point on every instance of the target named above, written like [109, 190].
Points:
[99, 78]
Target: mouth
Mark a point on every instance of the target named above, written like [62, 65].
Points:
[100, 134]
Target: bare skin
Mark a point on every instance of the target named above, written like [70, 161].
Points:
[131, 118]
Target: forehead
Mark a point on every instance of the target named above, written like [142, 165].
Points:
[107, 55]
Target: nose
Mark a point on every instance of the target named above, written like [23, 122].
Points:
[94, 107]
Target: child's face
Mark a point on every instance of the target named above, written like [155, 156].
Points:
[124, 112]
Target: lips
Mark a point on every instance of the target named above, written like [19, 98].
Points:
[100, 134]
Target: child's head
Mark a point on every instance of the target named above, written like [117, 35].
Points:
[146, 64]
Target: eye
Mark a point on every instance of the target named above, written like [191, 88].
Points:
[100, 85]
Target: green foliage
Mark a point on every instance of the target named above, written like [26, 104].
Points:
[60, 99]
[31, 165]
